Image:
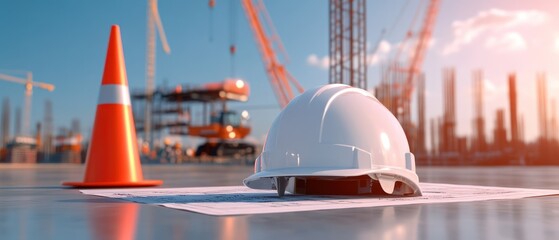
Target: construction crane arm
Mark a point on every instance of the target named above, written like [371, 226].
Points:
[46, 86]
[24, 81]
[12, 79]
[157, 20]
[425, 36]
[422, 44]
[280, 79]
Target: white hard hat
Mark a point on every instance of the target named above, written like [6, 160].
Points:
[336, 139]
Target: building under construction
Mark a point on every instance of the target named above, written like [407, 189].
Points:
[42, 146]
[400, 78]
[202, 111]
[507, 145]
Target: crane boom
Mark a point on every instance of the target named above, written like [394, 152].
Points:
[24, 81]
[423, 40]
[160, 31]
[280, 79]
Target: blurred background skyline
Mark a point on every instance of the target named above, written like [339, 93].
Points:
[64, 43]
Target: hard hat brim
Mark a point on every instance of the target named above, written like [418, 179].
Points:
[261, 180]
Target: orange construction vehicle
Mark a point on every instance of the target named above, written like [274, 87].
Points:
[223, 129]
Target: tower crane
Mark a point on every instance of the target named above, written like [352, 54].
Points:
[29, 85]
[398, 83]
[153, 23]
[423, 39]
[268, 42]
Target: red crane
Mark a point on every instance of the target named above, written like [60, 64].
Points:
[268, 41]
[398, 82]
[423, 40]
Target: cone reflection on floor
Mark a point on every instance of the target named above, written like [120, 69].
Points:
[113, 220]
[113, 158]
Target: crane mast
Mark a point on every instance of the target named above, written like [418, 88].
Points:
[153, 24]
[348, 54]
[280, 79]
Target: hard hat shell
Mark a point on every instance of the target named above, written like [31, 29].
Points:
[336, 131]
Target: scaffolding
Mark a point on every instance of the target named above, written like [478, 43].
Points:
[348, 50]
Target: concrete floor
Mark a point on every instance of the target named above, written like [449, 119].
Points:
[33, 205]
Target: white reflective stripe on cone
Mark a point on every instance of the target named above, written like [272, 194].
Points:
[114, 94]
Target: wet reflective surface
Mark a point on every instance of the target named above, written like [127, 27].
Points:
[33, 205]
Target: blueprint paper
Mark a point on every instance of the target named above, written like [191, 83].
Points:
[240, 200]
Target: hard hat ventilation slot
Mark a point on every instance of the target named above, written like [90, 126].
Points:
[360, 185]
[336, 185]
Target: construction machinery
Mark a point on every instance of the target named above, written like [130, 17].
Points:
[223, 129]
[29, 84]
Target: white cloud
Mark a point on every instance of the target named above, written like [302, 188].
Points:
[384, 46]
[407, 49]
[382, 51]
[493, 21]
[511, 41]
[320, 62]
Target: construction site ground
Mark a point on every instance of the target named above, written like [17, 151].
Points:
[33, 205]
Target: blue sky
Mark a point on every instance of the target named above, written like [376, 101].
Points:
[64, 43]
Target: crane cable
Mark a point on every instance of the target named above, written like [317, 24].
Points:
[388, 33]
[409, 33]
[232, 34]
[211, 5]
[398, 18]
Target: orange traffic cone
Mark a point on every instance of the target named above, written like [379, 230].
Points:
[113, 158]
